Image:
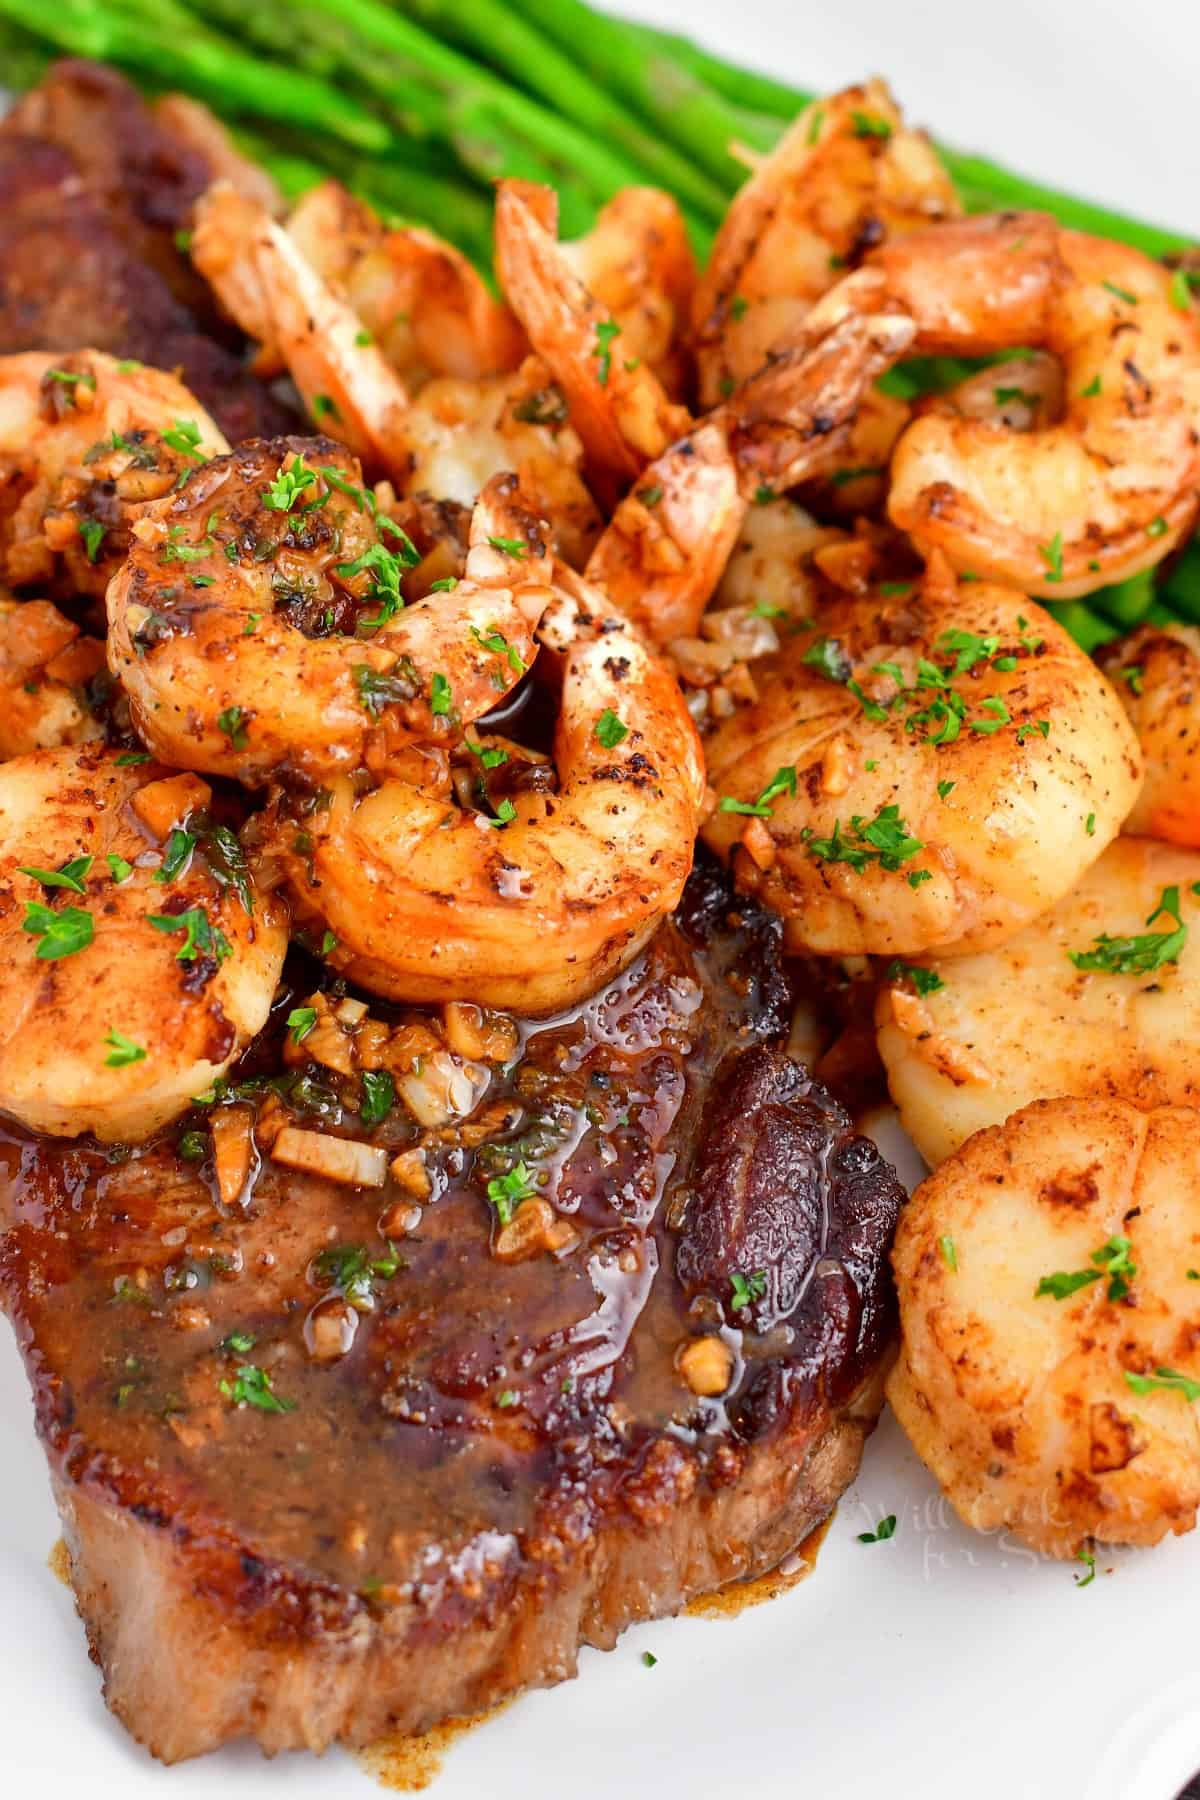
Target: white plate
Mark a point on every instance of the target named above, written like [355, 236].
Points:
[939, 1663]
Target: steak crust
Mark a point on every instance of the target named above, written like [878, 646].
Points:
[506, 1463]
[93, 191]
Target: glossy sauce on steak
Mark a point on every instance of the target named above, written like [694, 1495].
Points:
[506, 1460]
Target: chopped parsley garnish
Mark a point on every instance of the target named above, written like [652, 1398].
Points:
[1112, 1259]
[200, 937]
[93, 533]
[70, 876]
[1052, 555]
[490, 759]
[1139, 955]
[69, 379]
[379, 1094]
[232, 724]
[746, 1289]
[288, 485]
[606, 331]
[439, 697]
[1005, 396]
[1088, 1559]
[176, 855]
[251, 1386]
[328, 943]
[649, 496]
[1120, 293]
[649, 1660]
[118, 868]
[1169, 1380]
[122, 1051]
[238, 1343]
[300, 1021]
[376, 690]
[132, 758]
[1092, 390]
[782, 782]
[506, 812]
[352, 1271]
[945, 789]
[885, 1529]
[922, 981]
[62, 933]
[870, 125]
[763, 495]
[193, 1147]
[514, 547]
[865, 472]
[1132, 677]
[1089, 825]
[739, 306]
[184, 436]
[885, 839]
[507, 1398]
[827, 657]
[1157, 528]
[1040, 726]
[498, 644]
[507, 1191]
[445, 585]
[610, 730]
[948, 1253]
[324, 408]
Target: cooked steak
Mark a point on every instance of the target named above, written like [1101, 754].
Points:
[495, 1460]
[92, 191]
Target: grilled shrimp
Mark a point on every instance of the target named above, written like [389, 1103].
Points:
[847, 175]
[258, 623]
[1156, 671]
[1048, 1324]
[46, 665]
[85, 441]
[617, 404]
[1095, 497]
[424, 304]
[1100, 996]
[928, 769]
[637, 262]
[669, 541]
[537, 905]
[450, 440]
[138, 959]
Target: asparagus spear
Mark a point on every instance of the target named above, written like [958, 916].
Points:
[749, 91]
[493, 30]
[688, 114]
[151, 41]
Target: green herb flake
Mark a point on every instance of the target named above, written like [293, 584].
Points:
[505, 1192]
[300, 1021]
[922, 981]
[649, 1660]
[1142, 954]
[439, 697]
[782, 782]
[885, 1529]
[606, 331]
[1170, 1381]
[251, 1386]
[1088, 1559]
[61, 933]
[610, 730]
[746, 1289]
[870, 125]
[830, 661]
[948, 1253]
[122, 1051]
[184, 436]
[92, 532]
[1120, 293]
[177, 853]
[232, 725]
[1089, 825]
[201, 939]
[71, 875]
[1092, 390]
[379, 1095]
[517, 548]
[1052, 555]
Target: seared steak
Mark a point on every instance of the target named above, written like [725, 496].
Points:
[502, 1459]
[92, 193]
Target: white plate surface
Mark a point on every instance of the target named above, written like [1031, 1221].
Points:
[940, 1664]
